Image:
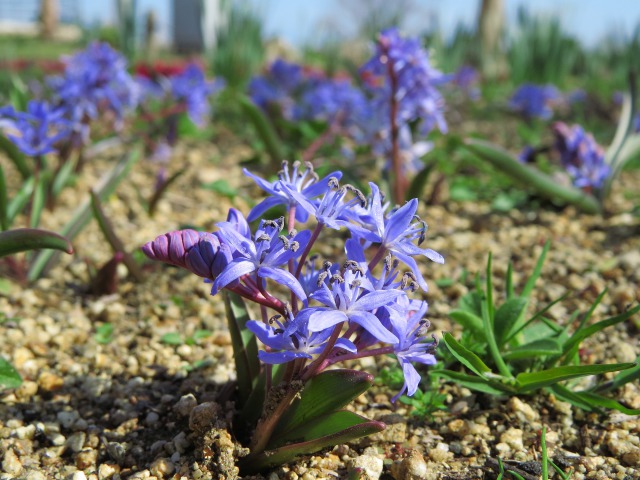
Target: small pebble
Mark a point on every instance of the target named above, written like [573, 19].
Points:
[161, 467]
[50, 382]
[11, 463]
[184, 406]
[371, 465]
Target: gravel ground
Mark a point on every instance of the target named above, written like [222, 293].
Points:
[101, 404]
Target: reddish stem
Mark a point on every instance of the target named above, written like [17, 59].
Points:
[399, 179]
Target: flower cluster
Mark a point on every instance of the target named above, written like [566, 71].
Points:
[581, 156]
[400, 68]
[95, 81]
[332, 311]
[535, 101]
[36, 131]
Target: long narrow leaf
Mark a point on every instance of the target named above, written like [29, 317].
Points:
[24, 239]
[157, 194]
[344, 385]
[531, 281]
[63, 176]
[16, 156]
[543, 184]
[586, 332]
[4, 201]
[265, 130]
[465, 356]
[20, 200]
[278, 456]
[245, 346]
[480, 384]
[114, 241]
[620, 379]
[507, 317]
[468, 321]
[82, 214]
[529, 381]
[37, 201]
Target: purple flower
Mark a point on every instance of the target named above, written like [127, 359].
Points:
[305, 182]
[413, 84]
[347, 300]
[581, 156]
[466, 79]
[276, 89]
[337, 102]
[38, 129]
[407, 323]
[96, 79]
[265, 255]
[534, 100]
[290, 345]
[332, 210]
[397, 231]
[192, 88]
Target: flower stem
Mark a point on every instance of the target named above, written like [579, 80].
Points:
[307, 249]
[362, 354]
[399, 180]
[382, 251]
[319, 363]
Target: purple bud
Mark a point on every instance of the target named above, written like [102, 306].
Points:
[189, 249]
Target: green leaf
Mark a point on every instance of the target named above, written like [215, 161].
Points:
[23, 239]
[81, 216]
[4, 202]
[535, 380]
[264, 128]
[172, 338]
[507, 318]
[419, 181]
[465, 356]
[245, 346]
[9, 376]
[468, 321]
[537, 270]
[313, 402]
[543, 184]
[589, 401]
[278, 456]
[63, 177]
[223, 188]
[38, 200]
[104, 334]
[537, 348]
[472, 303]
[624, 129]
[319, 427]
[20, 200]
[578, 337]
[620, 379]
[16, 156]
[480, 384]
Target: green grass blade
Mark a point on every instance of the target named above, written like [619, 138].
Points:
[489, 291]
[507, 317]
[509, 281]
[586, 332]
[620, 379]
[545, 457]
[532, 350]
[265, 130]
[529, 381]
[531, 281]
